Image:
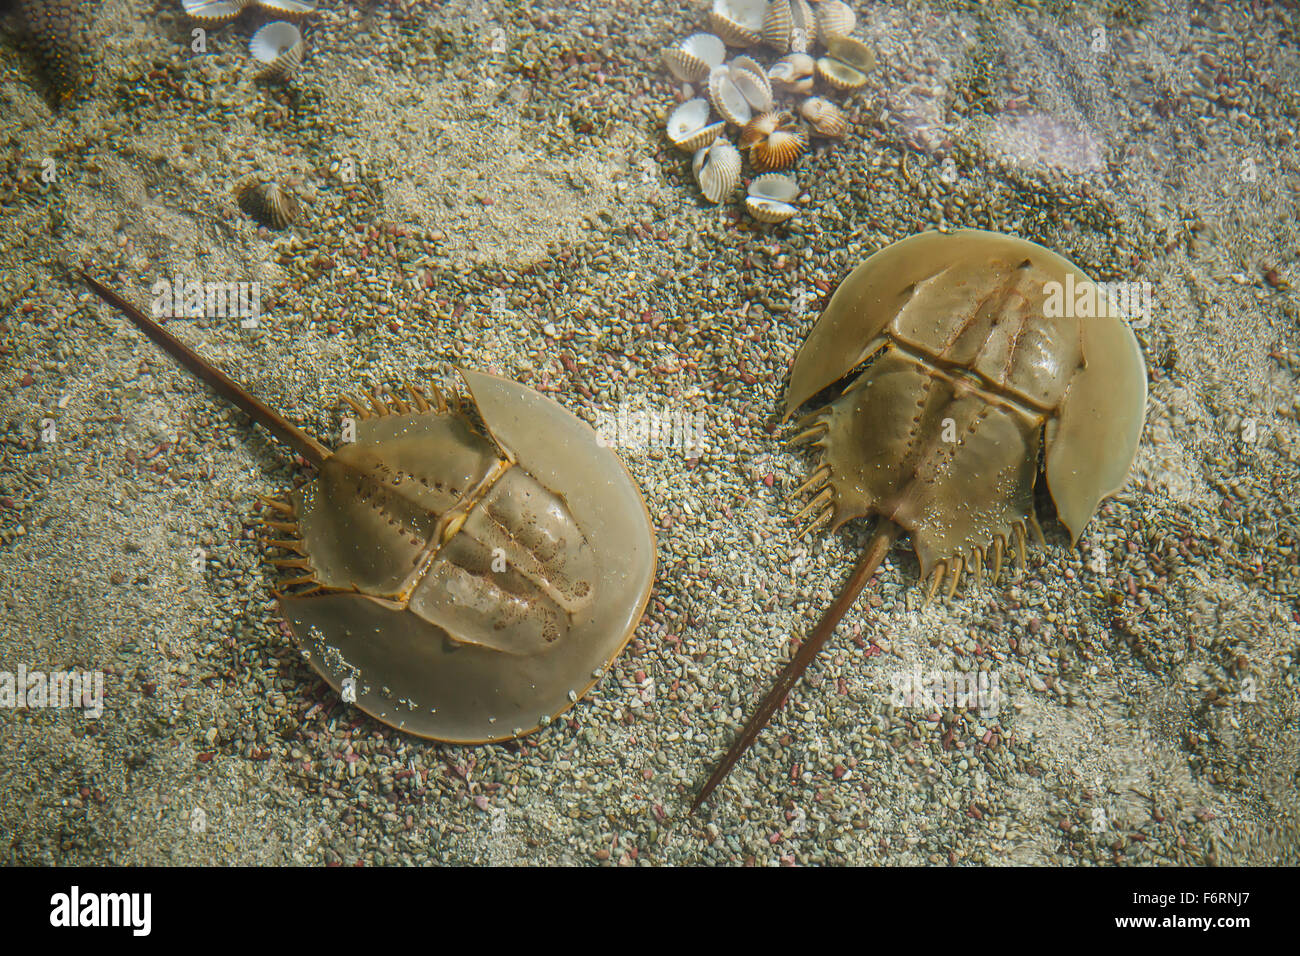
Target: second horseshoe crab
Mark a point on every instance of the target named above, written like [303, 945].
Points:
[971, 365]
[470, 569]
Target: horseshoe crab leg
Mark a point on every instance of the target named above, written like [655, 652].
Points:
[302, 443]
[875, 553]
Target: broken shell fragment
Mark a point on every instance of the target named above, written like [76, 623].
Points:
[689, 127]
[825, 118]
[793, 73]
[789, 26]
[717, 170]
[774, 141]
[771, 198]
[835, 18]
[270, 204]
[738, 22]
[695, 57]
[279, 46]
[213, 11]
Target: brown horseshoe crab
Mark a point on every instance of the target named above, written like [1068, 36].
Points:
[938, 436]
[472, 580]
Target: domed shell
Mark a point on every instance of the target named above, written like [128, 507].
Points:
[279, 46]
[789, 26]
[213, 11]
[270, 204]
[717, 170]
[772, 197]
[824, 117]
[695, 57]
[738, 22]
[515, 609]
[689, 127]
[774, 141]
[751, 79]
[835, 18]
[840, 75]
[728, 98]
[793, 73]
[288, 8]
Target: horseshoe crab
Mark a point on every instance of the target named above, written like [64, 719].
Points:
[472, 567]
[969, 361]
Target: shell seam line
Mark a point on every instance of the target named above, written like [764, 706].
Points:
[456, 517]
[978, 382]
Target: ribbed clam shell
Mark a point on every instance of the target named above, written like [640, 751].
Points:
[289, 8]
[789, 26]
[775, 186]
[695, 57]
[853, 52]
[278, 45]
[835, 18]
[738, 22]
[779, 149]
[727, 98]
[793, 73]
[213, 11]
[824, 117]
[758, 129]
[270, 204]
[769, 210]
[752, 83]
[689, 127]
[717, 170]
[839, 75]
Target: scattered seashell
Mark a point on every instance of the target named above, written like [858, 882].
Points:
[727, 98]
[213, 11]
[835, 18]
[689, 127]
[774, 141]
[789, 26]
[840, 75]
[279, 46]
[290, 8]
[717, 170]
[793, 73]
[738, 22]
[751, 79]
[853, 52]
[270, 204]
[771, 198]
[695, 57]
[825, 118]
[847, 63]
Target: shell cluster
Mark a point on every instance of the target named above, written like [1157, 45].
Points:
[775, 111]
[276, 46]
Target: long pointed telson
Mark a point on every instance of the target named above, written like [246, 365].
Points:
[875, 553]
[932, 313]
[302, 443]
[385, 552]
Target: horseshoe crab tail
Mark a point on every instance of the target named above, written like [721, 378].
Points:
[302, 443]
[871, 558]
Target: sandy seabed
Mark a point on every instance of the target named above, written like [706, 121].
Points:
[515, 207]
